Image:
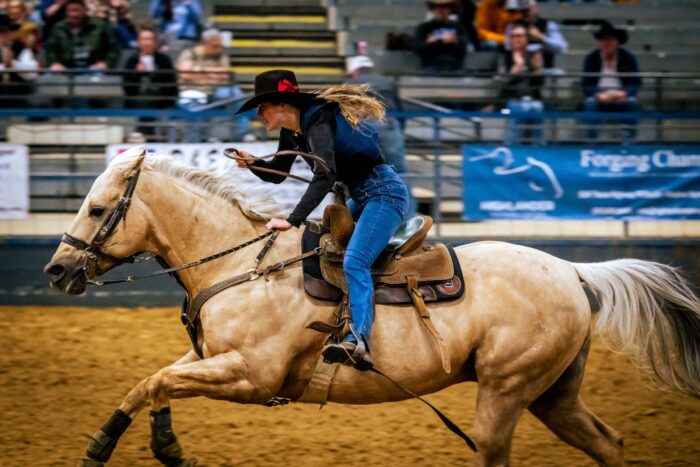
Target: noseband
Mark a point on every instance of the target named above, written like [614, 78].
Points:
[107, 230]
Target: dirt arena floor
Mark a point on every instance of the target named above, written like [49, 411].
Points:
[63, 371]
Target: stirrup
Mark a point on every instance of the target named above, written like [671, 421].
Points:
[348, 353]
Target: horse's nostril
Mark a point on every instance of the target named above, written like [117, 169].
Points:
[56, 271]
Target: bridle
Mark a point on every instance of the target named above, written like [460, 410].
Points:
[105, 232]
[94, 248]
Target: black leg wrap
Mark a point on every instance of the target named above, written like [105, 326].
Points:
[163, 441]
[105, 439]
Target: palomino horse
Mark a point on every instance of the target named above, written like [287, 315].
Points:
[522, 328]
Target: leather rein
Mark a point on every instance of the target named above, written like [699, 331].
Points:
[319, 163]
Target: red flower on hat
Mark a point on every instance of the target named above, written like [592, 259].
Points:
[286, 86]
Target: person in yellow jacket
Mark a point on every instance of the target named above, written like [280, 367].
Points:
[492, 18]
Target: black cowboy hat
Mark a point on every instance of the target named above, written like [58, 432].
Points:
[608, 30]
[276, 86]
[449, 3]
[6, 24]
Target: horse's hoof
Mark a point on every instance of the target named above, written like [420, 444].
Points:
[87, 462]
[184, 463]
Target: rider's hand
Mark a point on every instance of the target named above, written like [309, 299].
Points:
[278, 224]
[244, 159]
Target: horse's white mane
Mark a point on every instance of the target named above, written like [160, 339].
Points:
[255, 204]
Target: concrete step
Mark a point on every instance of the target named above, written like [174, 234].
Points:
[309, 69]
[268, 3]
[579, 13]
[279, 48]
[283, 43]
[262, 9]
[270, 22]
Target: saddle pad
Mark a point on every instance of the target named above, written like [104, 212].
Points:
[316, 286]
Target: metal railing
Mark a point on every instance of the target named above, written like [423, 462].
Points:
[434, 133]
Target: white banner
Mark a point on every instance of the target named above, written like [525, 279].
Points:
[211, 157]
[14, 181]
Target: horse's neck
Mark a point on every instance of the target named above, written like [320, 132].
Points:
[188, 225]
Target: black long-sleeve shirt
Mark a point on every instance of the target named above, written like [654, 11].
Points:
[350, 152]
[319, 141]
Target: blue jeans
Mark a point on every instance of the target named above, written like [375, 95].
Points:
[518, 127]
[379, 204]
[391, 142]
[629, 131]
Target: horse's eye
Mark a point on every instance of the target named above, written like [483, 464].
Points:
[96, 212]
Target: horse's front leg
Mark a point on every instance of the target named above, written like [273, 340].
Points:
[226, 376]
[103, 442]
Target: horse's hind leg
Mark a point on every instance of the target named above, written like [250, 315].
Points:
[561, 410]
[496, 416]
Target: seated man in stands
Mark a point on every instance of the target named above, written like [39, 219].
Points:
[605, 89]
[492, 18]
[206, 77]
[81, 41]
[152, 82]
[441, 42]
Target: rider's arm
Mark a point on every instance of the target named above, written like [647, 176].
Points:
[321, 143]
[283, 164]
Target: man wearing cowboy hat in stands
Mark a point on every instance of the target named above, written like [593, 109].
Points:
[610, 87]
[440, 42]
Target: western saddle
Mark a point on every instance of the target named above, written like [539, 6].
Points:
[409, 270]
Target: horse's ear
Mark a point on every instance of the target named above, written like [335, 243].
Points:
[138, 162]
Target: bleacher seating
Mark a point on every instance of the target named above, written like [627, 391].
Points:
[313, 37]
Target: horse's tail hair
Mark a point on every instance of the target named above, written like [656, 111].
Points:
[648, 311]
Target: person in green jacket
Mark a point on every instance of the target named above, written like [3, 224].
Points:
[81, 41]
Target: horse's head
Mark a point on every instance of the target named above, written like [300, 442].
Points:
[99, 239]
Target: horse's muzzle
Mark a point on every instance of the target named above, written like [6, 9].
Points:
[66, 277]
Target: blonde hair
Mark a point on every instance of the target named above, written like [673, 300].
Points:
[355, 102]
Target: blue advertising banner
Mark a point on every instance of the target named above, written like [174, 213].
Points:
[636, 182]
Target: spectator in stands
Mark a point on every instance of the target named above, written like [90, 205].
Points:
[118, 14]
[605, 89]
[545, 34]
[16, 86]
[360, 70]
[206, 77]
[467, 13]
[51, 11]
[27, 32]
[441, 42]
[81, 41]
[522, 89]
[180, 23]
[492, 18]
[152, 83]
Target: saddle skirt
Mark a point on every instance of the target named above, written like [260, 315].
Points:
[433, 265]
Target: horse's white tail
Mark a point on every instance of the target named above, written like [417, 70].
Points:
[648, 311]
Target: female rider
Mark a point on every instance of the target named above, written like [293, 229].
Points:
[337, 124]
